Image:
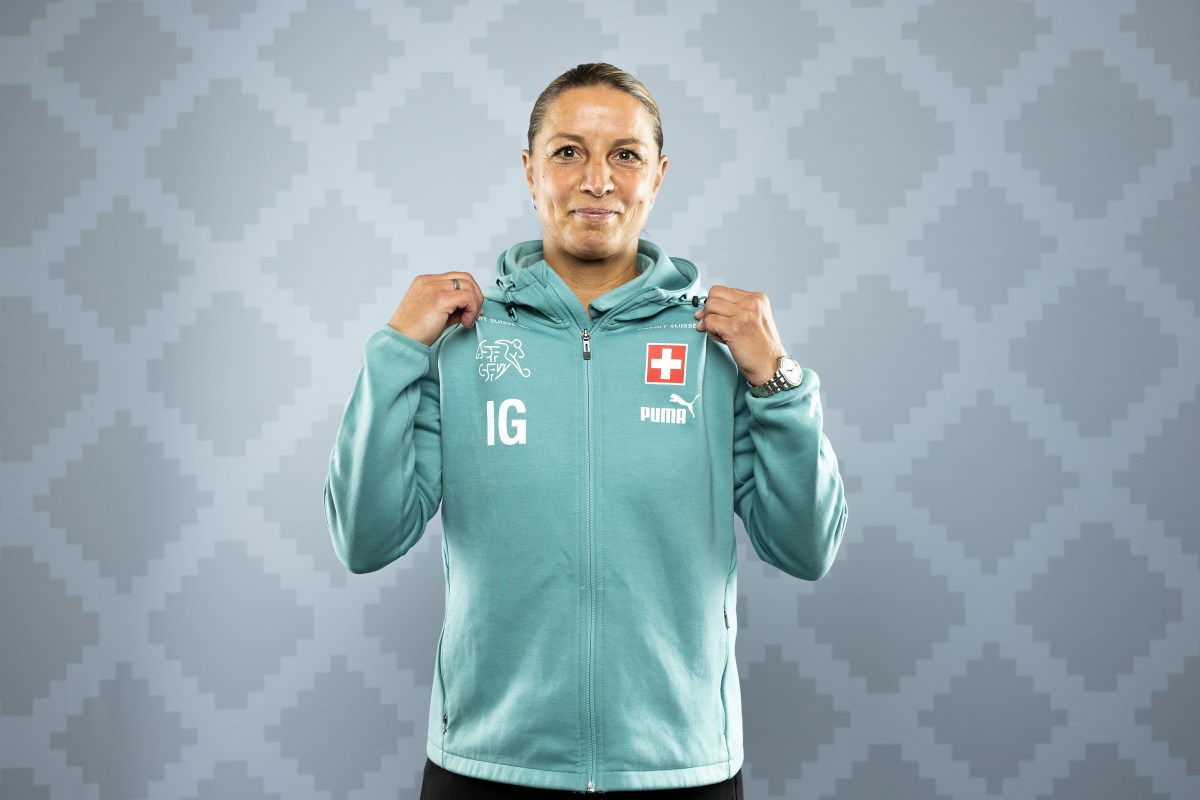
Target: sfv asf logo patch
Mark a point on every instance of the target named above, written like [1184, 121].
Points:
[666, 363]
[498, 356]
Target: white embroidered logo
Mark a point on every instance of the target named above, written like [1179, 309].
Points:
[498, 356]
[509, 421]
[677, 399]
[668, 414]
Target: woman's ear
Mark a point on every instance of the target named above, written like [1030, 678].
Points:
[527, 163]
[662, 170]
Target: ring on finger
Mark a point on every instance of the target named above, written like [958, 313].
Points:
[455, 281]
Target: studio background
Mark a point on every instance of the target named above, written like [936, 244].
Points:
[976, 220]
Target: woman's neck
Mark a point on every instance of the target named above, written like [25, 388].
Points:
[590, 279]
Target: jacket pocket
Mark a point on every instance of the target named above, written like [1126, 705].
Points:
[441, 708]
[729, 671]
[443, 705]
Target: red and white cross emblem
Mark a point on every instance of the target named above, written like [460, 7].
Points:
[666, 363]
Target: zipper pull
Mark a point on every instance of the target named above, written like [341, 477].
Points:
[587, 345]
[591, 786]
[444, 723]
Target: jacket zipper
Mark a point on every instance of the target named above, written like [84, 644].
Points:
[591, 671]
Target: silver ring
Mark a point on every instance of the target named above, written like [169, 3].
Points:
[455, 280]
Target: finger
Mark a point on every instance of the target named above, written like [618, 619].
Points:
[476, 293]
[478, 290]
[725, 306]
[462, 317]
[705, 326]
[467, 283]
[469, 308]
[465, 311]
[715, 326]
[727, 293]
[470, 314]
[704, 316]
[464, 297]
[726, 328]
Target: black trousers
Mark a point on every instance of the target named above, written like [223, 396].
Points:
[441, 784]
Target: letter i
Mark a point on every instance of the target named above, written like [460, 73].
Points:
[491, 415]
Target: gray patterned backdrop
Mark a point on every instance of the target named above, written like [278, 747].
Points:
[978, 220]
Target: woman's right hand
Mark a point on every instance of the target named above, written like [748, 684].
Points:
[432, 304]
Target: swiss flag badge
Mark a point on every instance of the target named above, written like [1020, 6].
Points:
[666, 363]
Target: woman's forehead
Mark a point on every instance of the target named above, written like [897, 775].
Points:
[598, 111]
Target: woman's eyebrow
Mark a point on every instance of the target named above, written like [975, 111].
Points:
[618, 143]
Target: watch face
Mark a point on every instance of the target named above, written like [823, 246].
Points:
[790, 369]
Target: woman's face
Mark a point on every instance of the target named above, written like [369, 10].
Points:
[594, 171]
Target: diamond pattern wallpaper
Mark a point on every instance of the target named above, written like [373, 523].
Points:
[977, 220]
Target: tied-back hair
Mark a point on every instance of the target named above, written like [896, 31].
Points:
[599, 74]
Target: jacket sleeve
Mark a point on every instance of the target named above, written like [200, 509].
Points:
[787, 488]
[385, 471]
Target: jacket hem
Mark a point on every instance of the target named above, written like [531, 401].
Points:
[607, 781]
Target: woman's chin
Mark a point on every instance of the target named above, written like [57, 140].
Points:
[586, 248]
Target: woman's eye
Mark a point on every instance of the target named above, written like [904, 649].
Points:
[565, 152]
[627, 155]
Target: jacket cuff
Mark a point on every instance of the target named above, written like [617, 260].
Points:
[406, 358]
[398, 337]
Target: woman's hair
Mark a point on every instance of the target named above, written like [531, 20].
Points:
[586, 75]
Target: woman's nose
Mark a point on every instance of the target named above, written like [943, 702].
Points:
[597, 178]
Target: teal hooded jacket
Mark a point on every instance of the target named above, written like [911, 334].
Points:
[588, 465]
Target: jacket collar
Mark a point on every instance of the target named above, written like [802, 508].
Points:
[526, 282]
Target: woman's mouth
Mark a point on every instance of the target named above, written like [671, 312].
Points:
[595, 214]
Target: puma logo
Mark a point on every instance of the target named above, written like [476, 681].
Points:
[677, 399]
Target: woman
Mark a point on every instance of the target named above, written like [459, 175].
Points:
[590, 425]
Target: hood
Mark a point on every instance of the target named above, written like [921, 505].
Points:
[525, 282]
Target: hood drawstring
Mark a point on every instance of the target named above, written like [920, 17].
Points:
[696, 299]
[508, 303]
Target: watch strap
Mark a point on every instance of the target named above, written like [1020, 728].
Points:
[775, 384]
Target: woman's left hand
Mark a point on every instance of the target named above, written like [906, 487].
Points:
[742, 322]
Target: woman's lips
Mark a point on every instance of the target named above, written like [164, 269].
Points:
[595, 214]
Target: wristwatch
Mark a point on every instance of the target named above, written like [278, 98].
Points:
[787, 376]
